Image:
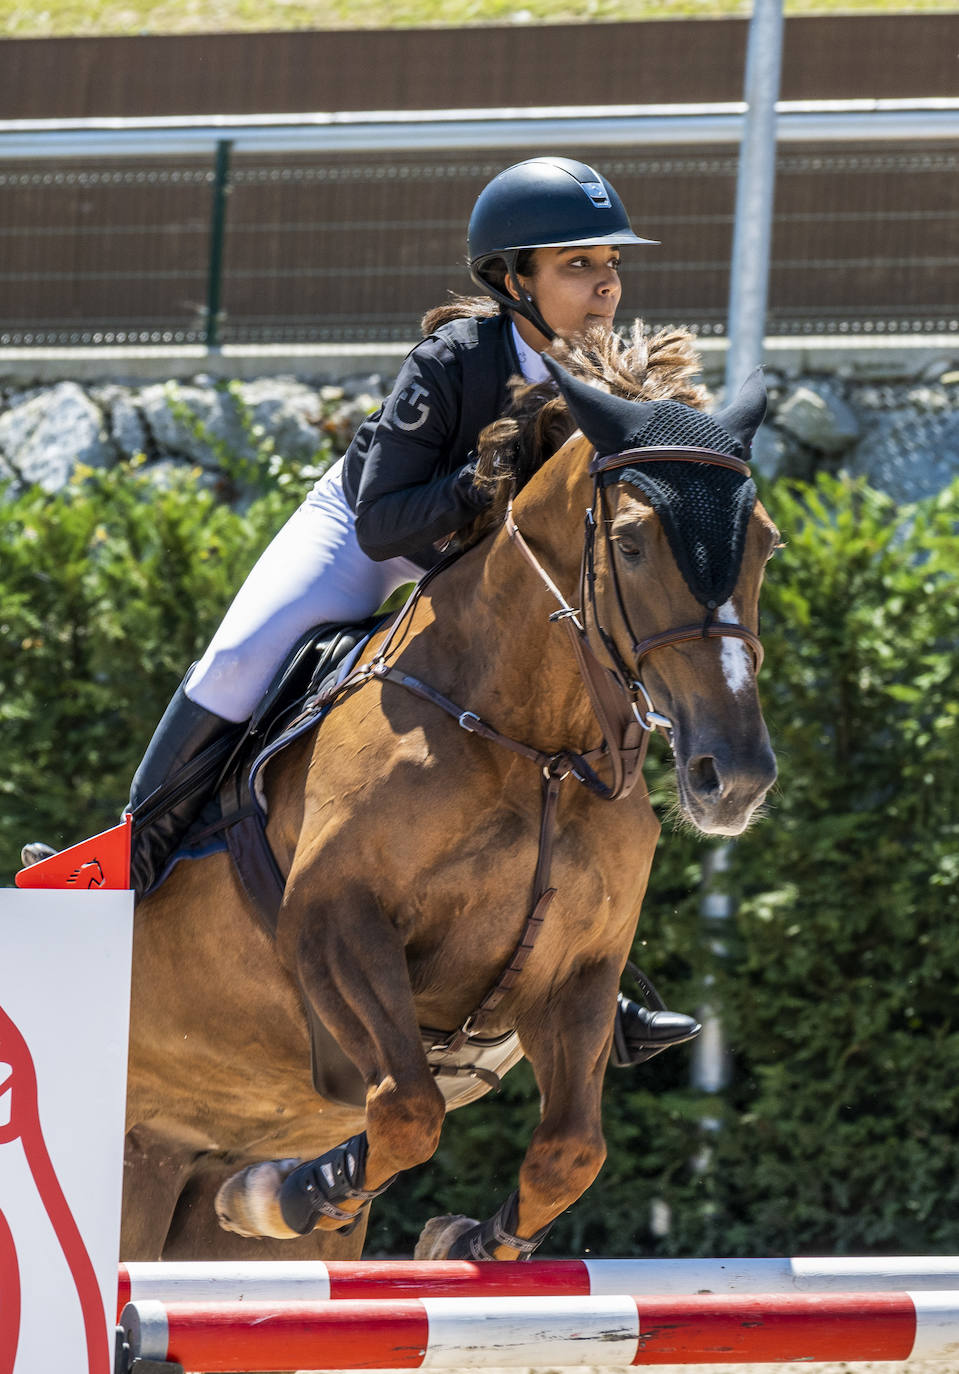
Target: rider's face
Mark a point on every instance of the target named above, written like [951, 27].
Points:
[574, 289]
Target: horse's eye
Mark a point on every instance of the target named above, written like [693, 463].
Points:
[629, 551]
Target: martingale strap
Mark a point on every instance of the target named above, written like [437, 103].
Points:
[624, 744]
[554, 768]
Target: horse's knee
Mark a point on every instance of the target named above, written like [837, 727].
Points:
[406, 1117]
[560, 1168]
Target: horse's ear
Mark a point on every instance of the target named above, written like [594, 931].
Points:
[746, 413]
[610, 423]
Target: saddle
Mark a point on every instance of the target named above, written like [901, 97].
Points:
[235, 819]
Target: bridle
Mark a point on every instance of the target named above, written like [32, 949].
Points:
[629, 679]
[709, 627]
[620, 701]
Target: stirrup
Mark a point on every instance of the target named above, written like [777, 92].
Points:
[313, 1189]
[479, 1242]
[630, 1050]
[35, 852]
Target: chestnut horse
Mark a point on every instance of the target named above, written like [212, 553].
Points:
[466, 840]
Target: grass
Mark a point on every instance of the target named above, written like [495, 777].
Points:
[59, 18]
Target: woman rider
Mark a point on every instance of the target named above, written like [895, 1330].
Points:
[544, 240]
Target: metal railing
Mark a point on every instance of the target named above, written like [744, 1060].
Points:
[798, 121]
[649, 133]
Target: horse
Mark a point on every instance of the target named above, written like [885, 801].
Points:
[465, 841]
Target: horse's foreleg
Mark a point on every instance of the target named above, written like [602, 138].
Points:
[367, 1004]
[155, 1168]
[567, 1041]
[194, 1233]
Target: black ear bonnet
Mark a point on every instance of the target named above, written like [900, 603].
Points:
[704, 509]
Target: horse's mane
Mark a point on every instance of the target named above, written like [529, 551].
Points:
[458, 308]
[537, 422]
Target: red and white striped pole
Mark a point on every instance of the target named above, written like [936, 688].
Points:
[412, 1333]
[316, 1281]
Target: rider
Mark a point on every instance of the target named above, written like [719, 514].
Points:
[544, 242]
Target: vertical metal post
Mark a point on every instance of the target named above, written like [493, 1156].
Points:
[214, 286]
[748, 294]
[710, 1067]
[755, 187]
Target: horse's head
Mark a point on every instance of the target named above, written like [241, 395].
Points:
[676, 548]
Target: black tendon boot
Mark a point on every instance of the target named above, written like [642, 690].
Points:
[183, 761]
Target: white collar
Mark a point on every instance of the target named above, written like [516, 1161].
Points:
[530, 362]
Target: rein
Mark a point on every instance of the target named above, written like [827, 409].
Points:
[614, 696]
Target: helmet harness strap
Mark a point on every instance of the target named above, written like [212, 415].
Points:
[525, 305]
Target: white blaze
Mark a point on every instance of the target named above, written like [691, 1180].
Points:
[734, 655]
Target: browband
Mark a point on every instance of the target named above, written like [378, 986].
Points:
[676, 453]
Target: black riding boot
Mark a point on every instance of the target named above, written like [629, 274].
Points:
[639, 1033]
[173, 782]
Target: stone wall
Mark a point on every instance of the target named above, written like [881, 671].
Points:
[896, 421]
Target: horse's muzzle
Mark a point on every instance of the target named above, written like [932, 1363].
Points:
[721, 790]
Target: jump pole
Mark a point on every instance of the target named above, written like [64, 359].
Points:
[411, 1333]
[319, 1281]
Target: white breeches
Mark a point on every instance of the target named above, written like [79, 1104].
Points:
[313, 571]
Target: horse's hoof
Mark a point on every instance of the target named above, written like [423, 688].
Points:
[248, 1203]
[33, 853]
[439, 1234]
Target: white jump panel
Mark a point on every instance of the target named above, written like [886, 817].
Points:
[64, 1014]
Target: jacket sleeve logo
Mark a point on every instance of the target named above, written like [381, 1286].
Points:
[410, 412]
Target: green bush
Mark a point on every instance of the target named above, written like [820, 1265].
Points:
[107, 593]
[839, 1131]
[840, 993]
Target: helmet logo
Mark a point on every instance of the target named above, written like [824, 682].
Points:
[596, 192]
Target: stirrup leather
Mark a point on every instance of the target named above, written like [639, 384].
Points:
[313, 1189]
[482, 1240]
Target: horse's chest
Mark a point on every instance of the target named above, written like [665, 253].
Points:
[481, 876]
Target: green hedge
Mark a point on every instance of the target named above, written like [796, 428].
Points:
[839, 1131]
[107, 593]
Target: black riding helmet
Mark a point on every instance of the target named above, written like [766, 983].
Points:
[545, 202]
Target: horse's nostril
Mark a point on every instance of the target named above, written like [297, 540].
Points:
[704, 778]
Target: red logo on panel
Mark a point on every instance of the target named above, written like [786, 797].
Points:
[21, 1121]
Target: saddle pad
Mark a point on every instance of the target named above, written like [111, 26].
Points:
[287, 712]
[319, 658]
